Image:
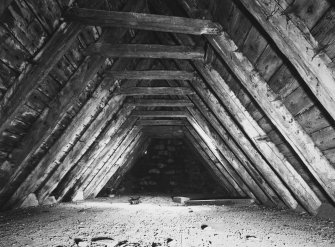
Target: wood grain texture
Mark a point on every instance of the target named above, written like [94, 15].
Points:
[141, 91]
[151, 75]
[160, 103]
[142, 21]
[300, 47]
[146, 51]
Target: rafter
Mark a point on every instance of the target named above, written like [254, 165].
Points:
[294, 39]
[151, 75]
[146, 51]
[141, 21]
[275, 110]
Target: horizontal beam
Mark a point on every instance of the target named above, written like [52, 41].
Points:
[160, 114]
[146, 51]
[151, 75]
[161, 122]
[160, 103]
[142, 21]
[141, 91]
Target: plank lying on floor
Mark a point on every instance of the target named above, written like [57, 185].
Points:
[220, 202]
[142, 21]
[151, 75]
[142, 91]
[160, 103]
[146, 51]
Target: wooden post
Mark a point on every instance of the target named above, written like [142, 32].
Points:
[142, 21]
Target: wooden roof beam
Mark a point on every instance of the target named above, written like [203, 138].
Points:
[142, 91]
[151, 75]
[141, 21]
[159, 114]
[274, 108]
[160, 103]
[294, 39]
[212, 166]
[146, 51]
[161, 122]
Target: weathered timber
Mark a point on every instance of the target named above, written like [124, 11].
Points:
[160, 103]
[222, 165]
[142, 91]
[231, 150]
[209, 135]
[84, 168]
[142, 21]
[210, 99]
[131, 154]
[163, 131]
[276, 111]
[34, 74]
[53, 117]
[210, 165]
[159, 114]
[294, 39]
[3, 5]
[108, 163]
[203, 114]
[146, 51]
[151, 75]
[147, 122]
[102, 122]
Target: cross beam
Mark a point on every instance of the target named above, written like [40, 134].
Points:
[142, 21]
[146, 51]
[151, 75]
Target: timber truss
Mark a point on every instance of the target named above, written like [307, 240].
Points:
[150, 73]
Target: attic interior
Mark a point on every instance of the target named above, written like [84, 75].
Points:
[92, 91]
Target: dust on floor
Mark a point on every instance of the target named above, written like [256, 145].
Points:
[157, 221]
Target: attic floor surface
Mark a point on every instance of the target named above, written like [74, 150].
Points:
[157, 221]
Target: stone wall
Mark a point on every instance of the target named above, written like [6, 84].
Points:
[169, 166]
